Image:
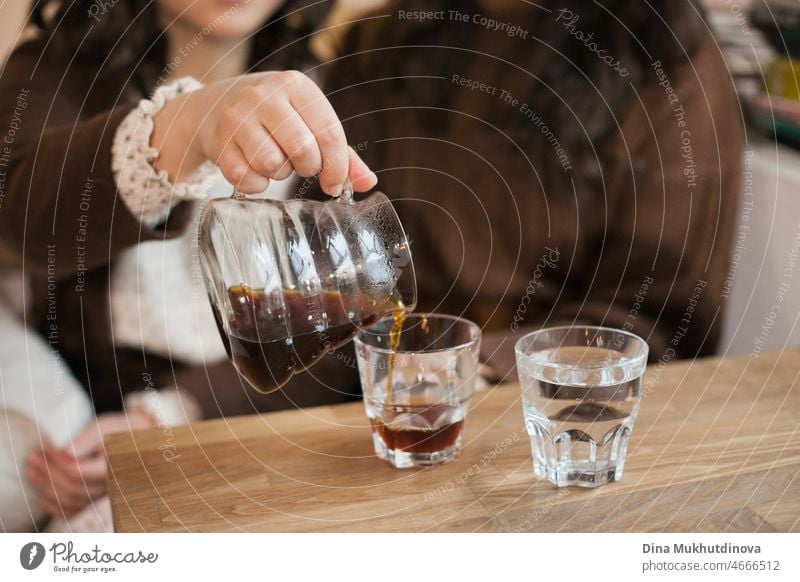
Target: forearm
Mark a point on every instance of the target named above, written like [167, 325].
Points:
[59, 206]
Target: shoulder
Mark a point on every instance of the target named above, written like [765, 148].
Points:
[48, 74]
[701, 77]
[37, 66]
[696, 95]
[36, 56]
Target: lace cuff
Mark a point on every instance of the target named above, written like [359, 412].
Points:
[148, 194]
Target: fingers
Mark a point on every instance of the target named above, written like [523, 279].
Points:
[225, 148]
[320, 118]
[361, 177]
[274, 123]
[90, 468]
[66, 485]
[234, 166]
[294, 137]
[263, 155]
[66, 507]
[69, 478]
[55, 483]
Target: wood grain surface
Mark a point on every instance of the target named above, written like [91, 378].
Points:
[716, 448]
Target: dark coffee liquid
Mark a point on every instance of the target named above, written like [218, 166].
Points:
[414, 439]
[398, 318]
[262, 348]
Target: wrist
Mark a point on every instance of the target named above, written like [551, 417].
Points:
[191, 126]
[175, 136]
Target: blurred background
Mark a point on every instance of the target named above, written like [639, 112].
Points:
[761, 42]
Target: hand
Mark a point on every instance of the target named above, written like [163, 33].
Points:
[69, 478]
[256, 128]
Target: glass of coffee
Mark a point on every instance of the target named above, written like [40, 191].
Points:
[292, 280]
[418, 377]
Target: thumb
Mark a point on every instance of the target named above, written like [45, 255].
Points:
[361, 177]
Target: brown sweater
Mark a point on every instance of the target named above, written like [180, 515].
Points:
[647, 251]
[648, 254]
[59, 213]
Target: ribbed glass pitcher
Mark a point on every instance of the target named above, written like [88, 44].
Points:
[292, 280]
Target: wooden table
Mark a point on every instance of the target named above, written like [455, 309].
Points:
[716, 448]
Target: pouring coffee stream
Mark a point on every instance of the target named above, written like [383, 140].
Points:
[291, 281]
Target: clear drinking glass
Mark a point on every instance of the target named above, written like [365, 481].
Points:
[418, 382]
[581, 390]
[292, 280]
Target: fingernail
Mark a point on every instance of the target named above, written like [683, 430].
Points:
[336, 190]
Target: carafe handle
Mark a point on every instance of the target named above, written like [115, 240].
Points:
[347, 192]
[345, 196]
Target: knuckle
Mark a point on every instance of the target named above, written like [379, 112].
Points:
[293, 77]
[230, 114]
[331, 137]
[216, 130]
[234, 171]
[257, 93]
[284, 172]
[272, 161]
[220, 135]
[302, 147]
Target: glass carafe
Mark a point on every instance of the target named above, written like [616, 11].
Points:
[290, 281]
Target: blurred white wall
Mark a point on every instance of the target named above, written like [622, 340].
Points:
[764, 305]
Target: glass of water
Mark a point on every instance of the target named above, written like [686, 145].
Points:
[418, 377]
[581, 390]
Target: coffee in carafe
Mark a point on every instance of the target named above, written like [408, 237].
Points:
[268, 359]
[290, 281]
